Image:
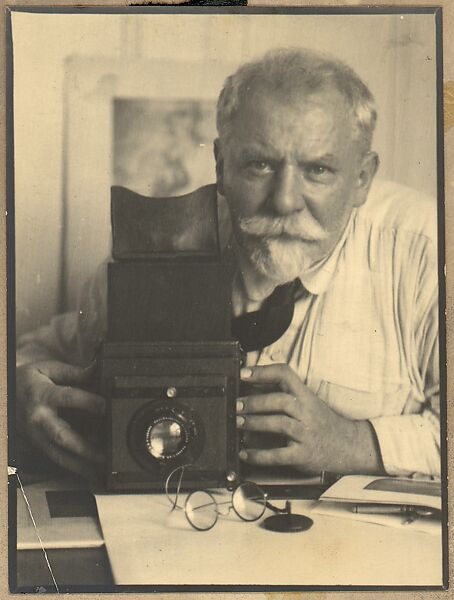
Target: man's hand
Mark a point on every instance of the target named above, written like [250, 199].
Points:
[42, 389]
[319, 439]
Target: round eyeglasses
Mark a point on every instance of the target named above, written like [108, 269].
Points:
[248, 501]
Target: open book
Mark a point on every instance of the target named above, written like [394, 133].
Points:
[360, 489]
[413, 504]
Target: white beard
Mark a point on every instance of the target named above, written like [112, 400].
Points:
[281, 248]
[277, 259]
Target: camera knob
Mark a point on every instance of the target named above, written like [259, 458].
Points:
[171, 392]
[231, 476]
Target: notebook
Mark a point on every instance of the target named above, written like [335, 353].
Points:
[56, 515]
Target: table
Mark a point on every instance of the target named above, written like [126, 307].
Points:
[147, 544]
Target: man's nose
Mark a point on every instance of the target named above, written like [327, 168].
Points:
[287, 195]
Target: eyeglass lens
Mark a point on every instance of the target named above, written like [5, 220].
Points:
[249, 501]
[201, 510]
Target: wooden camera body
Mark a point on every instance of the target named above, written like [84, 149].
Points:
[169, 367]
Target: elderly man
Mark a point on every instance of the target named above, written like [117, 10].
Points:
[356, 373]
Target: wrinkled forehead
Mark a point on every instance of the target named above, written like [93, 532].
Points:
[270, 110]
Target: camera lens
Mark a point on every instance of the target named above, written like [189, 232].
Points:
[165, 439]
[161, 436]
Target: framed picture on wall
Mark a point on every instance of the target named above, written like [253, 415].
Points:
[229, 300]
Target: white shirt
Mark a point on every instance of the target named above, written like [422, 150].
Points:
[364, 335]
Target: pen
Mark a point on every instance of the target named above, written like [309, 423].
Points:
[379, 509]
[393, 509]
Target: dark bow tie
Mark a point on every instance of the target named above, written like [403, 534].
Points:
[260, 328]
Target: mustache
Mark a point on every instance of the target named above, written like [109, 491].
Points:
[300, 225]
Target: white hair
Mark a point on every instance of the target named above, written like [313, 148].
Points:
[291, 69]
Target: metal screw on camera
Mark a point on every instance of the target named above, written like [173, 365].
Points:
[231, 476]
[171, 392]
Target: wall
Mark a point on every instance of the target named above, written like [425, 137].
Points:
[41, 44]
[394, 54]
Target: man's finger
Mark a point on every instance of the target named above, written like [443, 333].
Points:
[280, 374]
[71, 397]
[269, 423]
[64, 459]
[269, 403]
[65, 374]
[273, 457]
[60, 433]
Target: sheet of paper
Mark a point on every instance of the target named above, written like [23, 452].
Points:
[147, 543]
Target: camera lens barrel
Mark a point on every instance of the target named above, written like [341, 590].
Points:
[161, 435]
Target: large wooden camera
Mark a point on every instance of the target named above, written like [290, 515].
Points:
[169, 367]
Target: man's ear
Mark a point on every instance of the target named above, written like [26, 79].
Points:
[369, 166]
[219, 158]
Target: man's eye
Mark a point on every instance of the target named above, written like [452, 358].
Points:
[259, 166]
[320, 173]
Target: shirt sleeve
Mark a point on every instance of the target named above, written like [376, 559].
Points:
[72, 337]
[410, 442]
